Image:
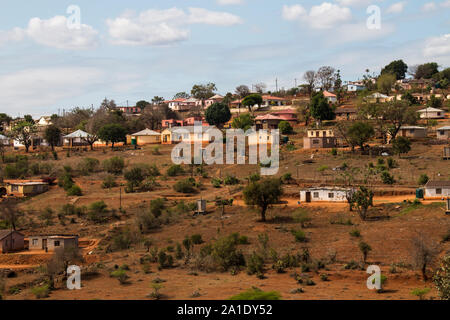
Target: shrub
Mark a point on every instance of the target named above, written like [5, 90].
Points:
[88, 165]
[155, 151]
[285, 127]
[387, 178]
[255, 264]
[231, 180]
[98, 212]
[391, 163]
[134, 176]
[120, 275]
[175, 170]
[74, 191]
[257, 294]
[423, 179]
[156, 294]
[442, 279]
[196, 239]
[323, 168]
[109, 182]
[41, 292]
[334, 152]
[420, 293]
[299, 236]
[114, 165]
[185, 186]
[157, 206]
[355, 233]
[216, 182]
[301, 216]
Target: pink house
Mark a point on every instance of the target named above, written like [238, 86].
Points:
[169, 123]
[287, 115]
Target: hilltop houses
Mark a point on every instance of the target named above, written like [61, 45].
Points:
[443, 133]
[325, 194]
[11, 241]
[413, 132]
[331, 97]
[437, 189]
[176, 135]
[144, 137]
[431, 113]
[23, 188]
[319, 138]
[51, 242]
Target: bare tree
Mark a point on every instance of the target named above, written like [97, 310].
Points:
[260, 87]
[326, 76]
[310, 79]
[242, 91]
[423, 253]
[9, 212]
[61, 259]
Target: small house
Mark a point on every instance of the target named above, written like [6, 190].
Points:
[431, 113]
[23, 188]
[144, 137]
[355, 87]
[192, 133]
[377, 98]
[269, 100]
[325, 194]
[443, 133]
[345, 113]
[76, 139]
[267, 121]
[10, 241]
[331, 97]
[4, 140]
[413, 132]
[214, 99]
[319, 138]
[437, 189]
[52, 242]
[289, 115]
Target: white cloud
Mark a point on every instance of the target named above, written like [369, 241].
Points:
[293, 12]
[31, 89]
[151, 27]
[437, 46]
[53, 32]
[446, 4]
[200, 15]
[355, 32]
[324, 16]
[429, 6]
[229, 2]
[397, 7]
[163, 27]
[356, 3]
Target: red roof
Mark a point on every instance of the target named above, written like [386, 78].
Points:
[267, 97]
[328, 94]
[268, 117]
[284, 111]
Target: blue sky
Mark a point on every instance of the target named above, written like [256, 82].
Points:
[133, 50]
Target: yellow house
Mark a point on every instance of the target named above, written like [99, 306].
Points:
[175, 135]
[144, 137]
[23, 188]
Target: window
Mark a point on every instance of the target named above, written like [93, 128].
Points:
[438, 191]
[56, 243]
[331, 195]
[411, 131]
[14, 188]
[315, 141]
[315, 194]
[35, 242]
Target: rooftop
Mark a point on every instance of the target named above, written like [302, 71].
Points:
[146, 132]
[437, 184]
[5, 233]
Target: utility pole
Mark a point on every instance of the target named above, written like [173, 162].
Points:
[295, 81]
[276, 84]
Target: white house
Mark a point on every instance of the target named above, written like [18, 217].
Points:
[325, 194]
[331, 97]
[355, 87]
[4, 140]
[437, 189]
[443, 133]
[44, 121]
[431, 113]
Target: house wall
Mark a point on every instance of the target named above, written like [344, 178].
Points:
[35, 242]
[432, 192]
[324, 195]
[443, 134]
[313, 143]
[413, 133]
[14, 242]
[432, 115]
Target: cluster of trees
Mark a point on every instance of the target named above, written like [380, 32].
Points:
[325, 77]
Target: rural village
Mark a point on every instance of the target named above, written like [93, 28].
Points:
[363, 179]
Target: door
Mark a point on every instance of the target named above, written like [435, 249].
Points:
[44, 244]
[308, 196]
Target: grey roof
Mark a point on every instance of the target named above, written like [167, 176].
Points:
[77, 134]
[413, 127]
[429, 109]
[191, 128]
[438, 184]
[444, 128]
[2, 137]
[146, 132]
[5, 233]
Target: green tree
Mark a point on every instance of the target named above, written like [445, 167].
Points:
[320, 109]
[401, 145]
[24, 132]
[112, 133]
[362, 200]
[426, 70]
[53, 135]
[263, 193]
[217, 114]
[434, 102]
[396, 114]
[203, 91]
[142, 104]
[359, 133]
[244, 122]
[365, 249]
[385, 82]
[285, 127]
[397, 68]
[252, 100]
[442, 279]
[181, 95]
